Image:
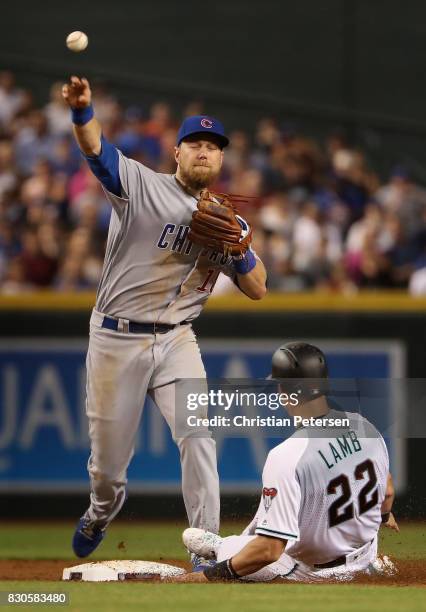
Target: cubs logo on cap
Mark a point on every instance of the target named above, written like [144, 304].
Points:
[197, 124]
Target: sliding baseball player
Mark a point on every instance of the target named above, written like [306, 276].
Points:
[326, 491]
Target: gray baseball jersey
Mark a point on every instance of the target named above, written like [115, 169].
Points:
[152, 272]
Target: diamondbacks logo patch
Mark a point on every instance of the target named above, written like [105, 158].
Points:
[268, 495]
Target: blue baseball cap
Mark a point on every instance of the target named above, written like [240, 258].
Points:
[199, 124]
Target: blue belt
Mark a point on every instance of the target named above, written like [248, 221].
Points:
[141, 328]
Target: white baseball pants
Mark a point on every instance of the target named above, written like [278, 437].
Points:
[121, 369]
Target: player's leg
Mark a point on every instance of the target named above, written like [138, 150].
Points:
[179, 357]
[118, 373]
[200, 481]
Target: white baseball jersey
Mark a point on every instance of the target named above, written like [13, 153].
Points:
[323, 494]
[152, 272]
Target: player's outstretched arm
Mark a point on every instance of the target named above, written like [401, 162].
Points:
[88, 130]
[101, 155]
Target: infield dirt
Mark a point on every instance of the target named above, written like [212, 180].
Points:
[410, 572]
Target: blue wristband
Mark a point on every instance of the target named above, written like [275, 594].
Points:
[246, 264]
[80, 116]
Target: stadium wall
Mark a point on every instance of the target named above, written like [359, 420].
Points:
[43, 440]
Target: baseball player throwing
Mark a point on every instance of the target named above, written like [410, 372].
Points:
[325, 493]
[168, 241]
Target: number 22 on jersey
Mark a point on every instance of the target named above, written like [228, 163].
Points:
[340, 510]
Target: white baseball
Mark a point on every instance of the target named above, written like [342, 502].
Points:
[77, 41]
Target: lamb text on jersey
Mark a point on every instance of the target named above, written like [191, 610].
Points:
[346, 445]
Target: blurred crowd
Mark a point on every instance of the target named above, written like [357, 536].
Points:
[322, 218]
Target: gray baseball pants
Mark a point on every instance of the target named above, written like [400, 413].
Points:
[121, 369]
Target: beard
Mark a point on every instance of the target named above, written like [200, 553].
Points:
[198, 177]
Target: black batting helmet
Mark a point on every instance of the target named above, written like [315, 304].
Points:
[300, 360]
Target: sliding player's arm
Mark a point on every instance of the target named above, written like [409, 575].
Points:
[388, 518]
[258, 553]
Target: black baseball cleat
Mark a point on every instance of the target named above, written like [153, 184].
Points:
[87, 537]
